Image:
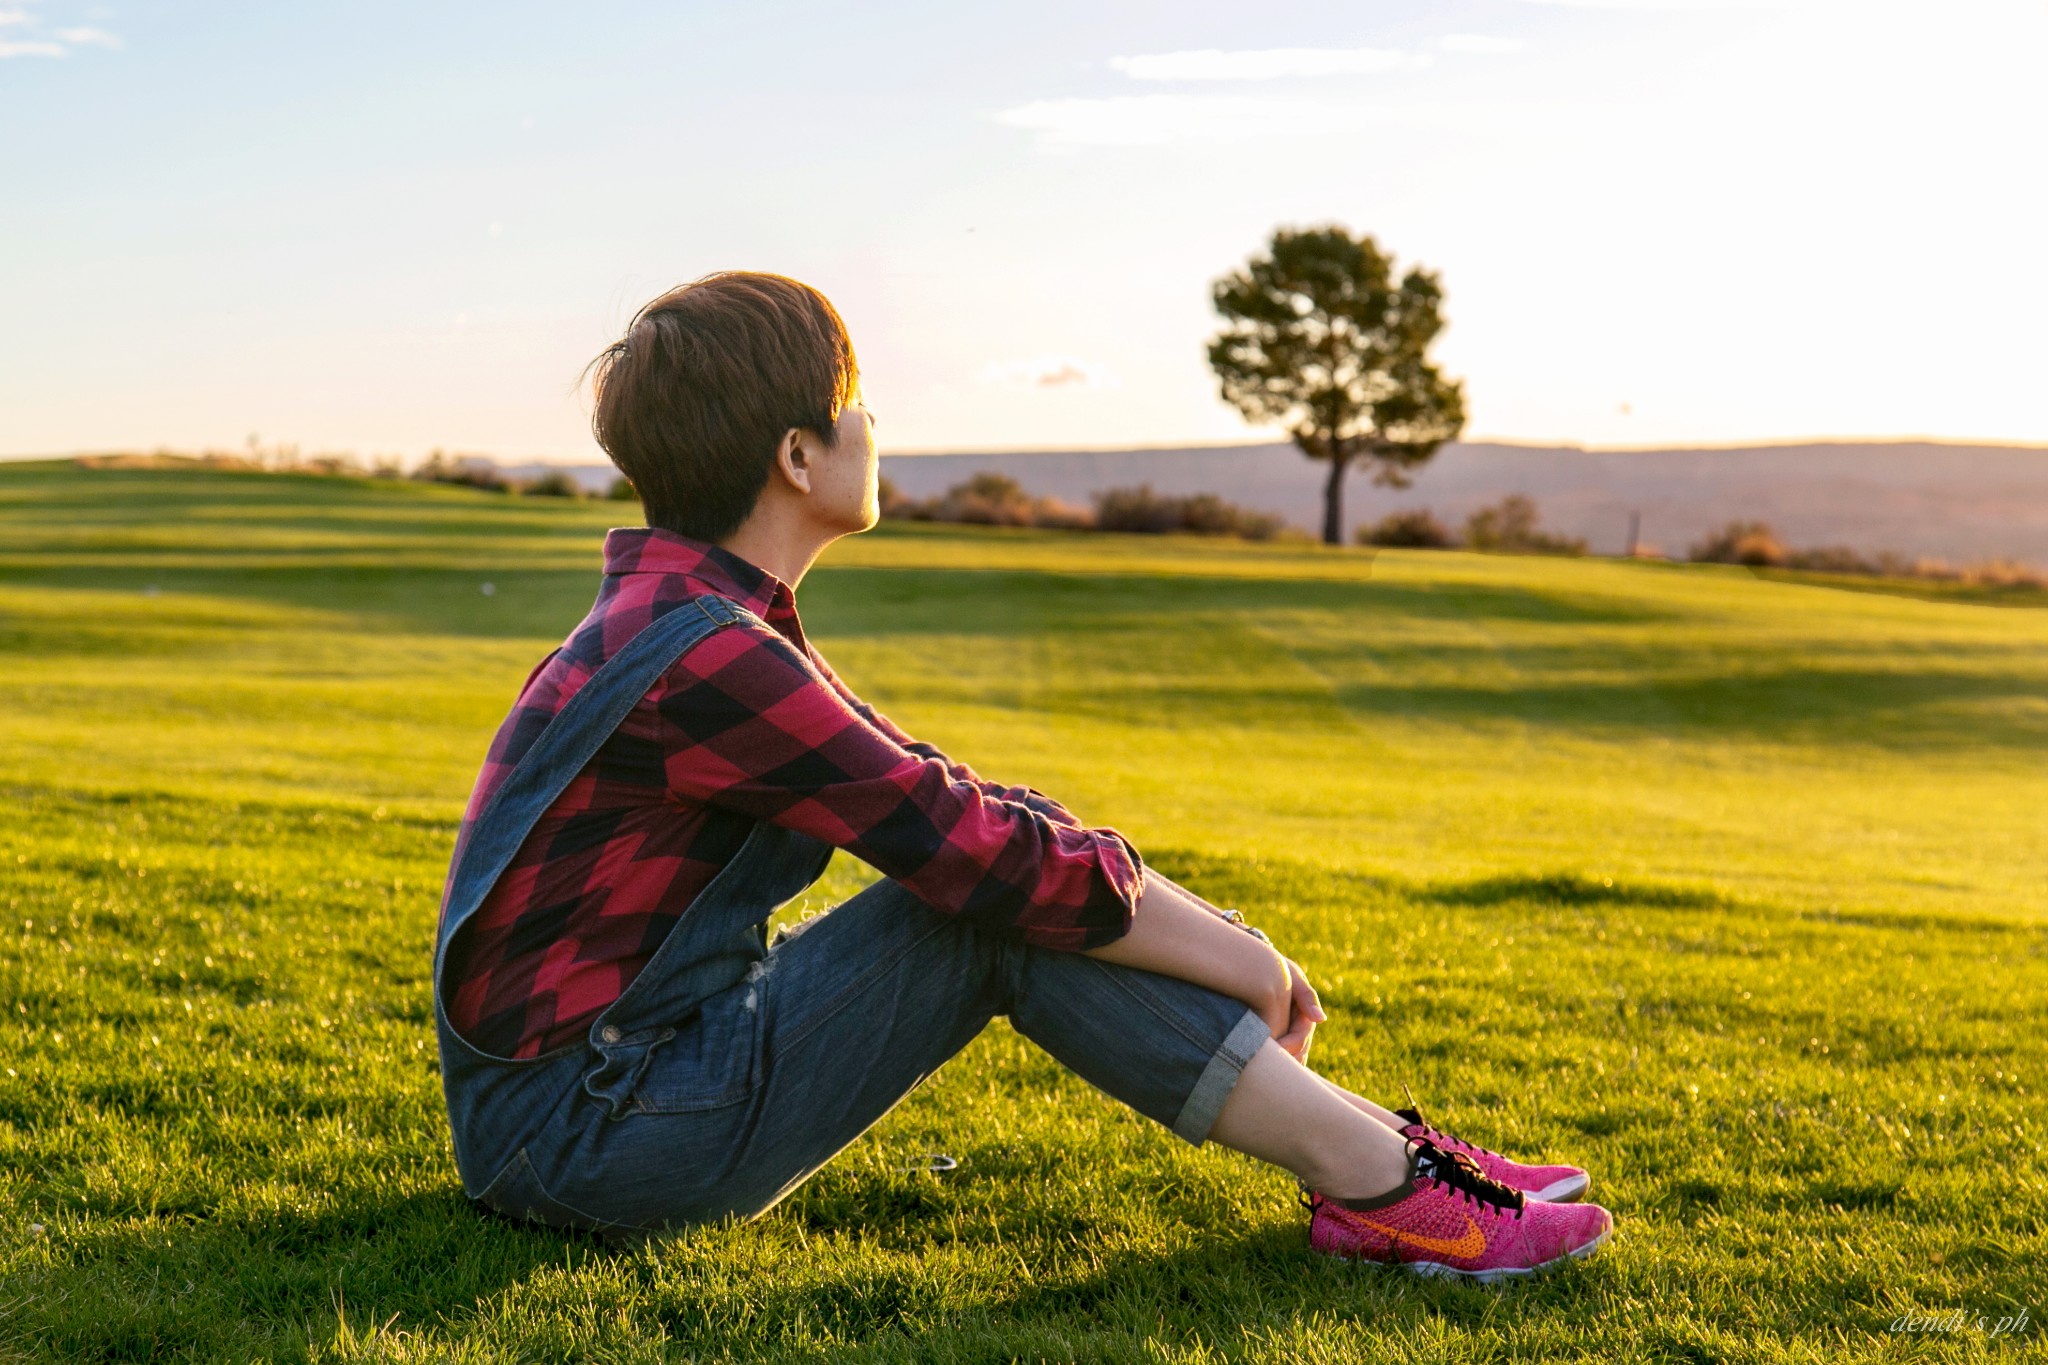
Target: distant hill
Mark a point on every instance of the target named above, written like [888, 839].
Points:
[1962, 502]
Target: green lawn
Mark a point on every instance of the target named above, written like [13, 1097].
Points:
[1730, 889]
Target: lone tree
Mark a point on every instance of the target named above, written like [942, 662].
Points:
[1320, 338]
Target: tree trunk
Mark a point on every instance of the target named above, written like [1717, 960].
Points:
[1333, 501]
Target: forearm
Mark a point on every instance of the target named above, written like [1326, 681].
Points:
[959, 772]
[1177, 934]
[1152, 874]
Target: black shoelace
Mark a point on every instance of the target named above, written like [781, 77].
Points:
[1459, 1172]
[1413, 1115]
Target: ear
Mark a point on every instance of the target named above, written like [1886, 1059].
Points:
[794, 460]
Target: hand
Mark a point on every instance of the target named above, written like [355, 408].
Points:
[1176, 935]
[1305, 1011]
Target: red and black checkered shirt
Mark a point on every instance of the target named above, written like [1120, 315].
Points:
[749, 724]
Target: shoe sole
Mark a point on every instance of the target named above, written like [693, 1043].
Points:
[1510, 1272]
[1569, 1190]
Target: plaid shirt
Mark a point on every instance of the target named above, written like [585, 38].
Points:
[749, 724]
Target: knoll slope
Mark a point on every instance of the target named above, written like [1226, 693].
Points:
[1729, 888]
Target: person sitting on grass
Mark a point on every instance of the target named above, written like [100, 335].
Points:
[623, 1049]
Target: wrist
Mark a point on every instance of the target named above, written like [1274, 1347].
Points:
[1236, 917]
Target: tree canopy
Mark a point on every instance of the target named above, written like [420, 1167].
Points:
[1320, 338]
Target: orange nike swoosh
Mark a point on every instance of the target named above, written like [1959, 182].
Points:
[1467, 1246]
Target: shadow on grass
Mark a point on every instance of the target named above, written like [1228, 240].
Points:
[275, 1283]
[1920, 589]
[523, 603]
[135, 1290]
[1969, 698]
[888, 601]
[1805, 703]
[1212, 1292]
[1228, 880]
[257, 1284]
[529, 599]
[1568, 889]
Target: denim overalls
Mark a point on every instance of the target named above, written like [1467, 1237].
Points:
[728, 1071]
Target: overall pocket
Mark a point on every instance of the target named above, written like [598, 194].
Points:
[709, 1061]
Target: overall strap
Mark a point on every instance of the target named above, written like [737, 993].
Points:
[571, 739]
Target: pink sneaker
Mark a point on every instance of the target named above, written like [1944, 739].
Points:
[1544, 1184]
[1451, 1220]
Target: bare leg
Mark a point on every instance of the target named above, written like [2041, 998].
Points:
[1283, 1113]
[1364, 1105]
[1279, 1110]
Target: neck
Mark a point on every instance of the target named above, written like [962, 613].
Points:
[784, 546]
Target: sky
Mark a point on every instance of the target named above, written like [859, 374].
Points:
[387, 228]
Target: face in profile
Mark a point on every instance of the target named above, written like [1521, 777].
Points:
[848, 480]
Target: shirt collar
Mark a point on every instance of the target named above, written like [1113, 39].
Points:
[708, 567]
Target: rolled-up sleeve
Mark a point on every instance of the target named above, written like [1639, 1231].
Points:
[753, 725]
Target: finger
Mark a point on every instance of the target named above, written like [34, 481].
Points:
[1302, 987]
[1307, 1001]
[1295, 1040]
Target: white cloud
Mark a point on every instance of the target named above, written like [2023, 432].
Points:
[1212, 64]
[1151, 120]
[31, 42]
[1049, 372]
[1479, 42]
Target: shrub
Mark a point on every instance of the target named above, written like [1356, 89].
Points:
[1135, 509]
[1055, 515]
[470, 472]
[1146, 512]
[1741, 542]
[1510, 525]
[984, 499]
[1828, 559]
[1206, 514]
[554, 483]
[2004, 573]
[1754, 543]
[987, 499]
[1415, 529]
[992, 499]
[622, 490]
[333, 466]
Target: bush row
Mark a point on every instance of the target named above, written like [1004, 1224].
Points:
[552, 483]
[991, 499]
[1509, 525]
[1754, 543]
[470, 471]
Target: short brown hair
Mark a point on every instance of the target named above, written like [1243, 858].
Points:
[694, 399]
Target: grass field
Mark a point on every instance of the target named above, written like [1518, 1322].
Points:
[1730, 889]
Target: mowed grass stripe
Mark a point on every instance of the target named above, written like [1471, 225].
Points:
[1768, 956]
